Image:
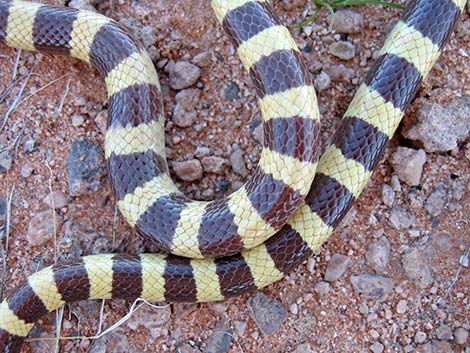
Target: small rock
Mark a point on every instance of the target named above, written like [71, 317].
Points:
[238, 163]
[322, 81]
[101, 120]
[420, 337]
[294, 308]
[203, 59]
[26, 170]
[371, 286]
[85, 167]
[444, 333]
[258, 133]
[337, 266]
[340, 73]
[388, 195]
[342, 50]
[115, 342]
[347, 21]
[377, 347]
[316, 66]
[183, 74]
[156, 320]
[402, 306]
[3, 209]
[188, 170]
[231, 91]
[408, 164]
[437, 201]
[440, 128]
[188, 348]
[5, 161]
[56, 200]
[184, 113]
[43, 226]
[268, 313]
[221, 339]
[416, 268]
[322, 287]
[460, 336]
[378, 254]
[213, 164]
[240, 327]
[290, 5]
[77, 120]
[303, 348]
[401, 218]
[81, 5]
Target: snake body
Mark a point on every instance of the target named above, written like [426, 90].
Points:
[280, 187]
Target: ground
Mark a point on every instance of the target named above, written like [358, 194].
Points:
[321, 318]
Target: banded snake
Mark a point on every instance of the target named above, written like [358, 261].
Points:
[274, 222]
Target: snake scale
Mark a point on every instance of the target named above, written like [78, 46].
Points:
[279, 217]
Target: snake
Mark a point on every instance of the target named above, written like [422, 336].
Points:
[292, 202]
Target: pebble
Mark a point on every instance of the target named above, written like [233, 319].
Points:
[416, 268]
[402, 306]
[213, 164]
[43, 226]
[77, 120]
[311, 265]
[388, 195]
[231, 91]
[114, 342]
[190, 170]
[340, 73]
[240, 327]
[322, 287]
[294, 308]
[315, 66]
[408, 164]
[221, 338]
[444, 333]
[3, 209]
[258, 133]
[183, 74]
[303, 348]
[420, 337]
[347, 21]
[155, 320]
[290, 5]
[440, 128]
[437, 201]
[101, 120]
[342, 50]
[377, 347]
[322, 81]
[401, 218]
[56, 200]
[372, 286]
[460, 336]
[238, 163]
[378, 254]
[337, 266]
[26, 170]
[81, 5]
[6, 160]
[85, 166]
[184, 113]
[203, 59]
[268, 313]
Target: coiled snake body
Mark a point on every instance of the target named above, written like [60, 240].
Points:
[279, 198]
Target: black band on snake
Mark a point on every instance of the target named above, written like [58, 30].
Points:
[279, 217]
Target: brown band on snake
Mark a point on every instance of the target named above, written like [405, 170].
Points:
[355, 139]
[72, 280]
[180, 284]
[135, 105]
[287, 64]
[425, 20]
[52, 30]
[159, 221]
[234, 275]
[26, 304]
[388, 70]
[285, 247]
[216, 230]
[271, 197]
[112, 44]
[127, 270]
[329, 199]
[140, 168]
[296, 136]
[4, 12]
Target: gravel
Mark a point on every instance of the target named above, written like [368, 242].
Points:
[420, 337]
[203, 59]
[440, 128]
[401, 218]
[378, 254]
[231, 91]
[268, 313]
[190, 170]
[322, 81]
[322, 287]
[402, 306]
[183, 74]
[3, 209]
[155, 320]
[408, 164]
[444, 333]
[340, 73]
[347, 21]
[214, 164]
[238, 163]
[43, 226]
[437, 201]
[337, 266]
[377, 347]
[388, 195]
[460, 336]
[372, 286]
[184, 113]
[417, 268]
[342, 50]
